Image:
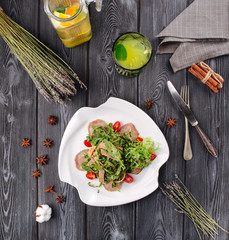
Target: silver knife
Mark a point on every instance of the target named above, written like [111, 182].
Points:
[191, 118]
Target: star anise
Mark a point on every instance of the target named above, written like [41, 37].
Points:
[47, 143]
[149, 103]
[36, 173]
[26, 142]
[52, 120]
[42, 160]
[60, 199]
[50, 189]
[171, 122]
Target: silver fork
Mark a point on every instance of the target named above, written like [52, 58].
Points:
[187, 155]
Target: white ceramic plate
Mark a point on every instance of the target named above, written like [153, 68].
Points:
[72, 142]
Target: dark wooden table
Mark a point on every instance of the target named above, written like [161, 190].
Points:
[24, 113]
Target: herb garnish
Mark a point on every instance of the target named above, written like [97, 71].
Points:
[94, 186]
[116, 154]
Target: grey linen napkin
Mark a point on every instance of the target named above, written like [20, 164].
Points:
[200, 32]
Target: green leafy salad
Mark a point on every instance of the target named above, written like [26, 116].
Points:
[113, 155]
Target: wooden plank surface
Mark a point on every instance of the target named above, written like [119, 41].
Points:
[163, 221]
[18, 190]
[24, 113]
[205, 175]
[69, 217]
[104, 82]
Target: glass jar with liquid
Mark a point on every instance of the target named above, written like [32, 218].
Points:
[70, 18]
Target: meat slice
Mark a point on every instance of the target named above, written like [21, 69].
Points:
[96, 123]
[108, 186]
[79, 159]
[101, 176]
[136, 171]
[104, 153]
[119, 148]
[92, 161]
[129, 127]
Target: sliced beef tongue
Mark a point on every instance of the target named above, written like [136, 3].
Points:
[108, 186]
[119, 148]
[102, 146]
[96, 123]
[101, 176]
[129, 127]
[79, 159]
[136, 171]
[92, 161]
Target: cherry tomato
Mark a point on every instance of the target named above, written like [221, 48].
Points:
[117, 126]
[153, 156]
[140, 139]
[87, 144]
[90, 175]
[128, 179]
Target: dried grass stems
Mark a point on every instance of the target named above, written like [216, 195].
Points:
[53, 77]
[187, 204]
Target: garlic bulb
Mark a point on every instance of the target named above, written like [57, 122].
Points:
[43, 213]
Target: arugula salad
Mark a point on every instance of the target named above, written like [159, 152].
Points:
[114, 152]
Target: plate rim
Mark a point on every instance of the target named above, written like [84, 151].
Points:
[110, 99]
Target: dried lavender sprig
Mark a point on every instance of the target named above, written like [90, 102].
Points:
[192, 211]
[187, 203]
[53, 77]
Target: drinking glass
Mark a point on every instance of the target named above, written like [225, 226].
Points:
[131, 53]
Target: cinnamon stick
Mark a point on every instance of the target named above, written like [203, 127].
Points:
[213, 76]
[203, 73]
[197, 74]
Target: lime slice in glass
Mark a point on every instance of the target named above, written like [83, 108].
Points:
[120, 53]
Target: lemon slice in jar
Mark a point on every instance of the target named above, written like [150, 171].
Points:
[61, 15]
[65, 14]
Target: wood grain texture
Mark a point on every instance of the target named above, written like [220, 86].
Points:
[68, 221]
[117, 17]
[205, 171]
[18, 192]
[162, 221]
[24, 113]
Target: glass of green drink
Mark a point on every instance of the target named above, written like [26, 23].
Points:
[131, 53]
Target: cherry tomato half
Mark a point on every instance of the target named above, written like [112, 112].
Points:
[87, 144]
[128, 179]
[117, 126]
[140, 139]
[90, 175]
[153, 156]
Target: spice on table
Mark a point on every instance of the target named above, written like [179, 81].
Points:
[47, 143]
[36, 173]
[42, 160]
[149, 103]
[60, 199]
[26, 142]
[171, 122]
[202, 71]
[52, 120]
[179, 194]
[50, 189]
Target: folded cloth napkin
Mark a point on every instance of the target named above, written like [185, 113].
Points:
[200, 32]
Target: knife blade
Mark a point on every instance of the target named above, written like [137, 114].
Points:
[182, 105]
[191, 118]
